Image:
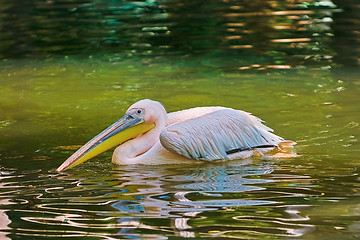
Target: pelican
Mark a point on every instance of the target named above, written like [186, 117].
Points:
[148, 135]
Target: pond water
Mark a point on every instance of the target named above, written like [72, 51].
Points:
[70, 68]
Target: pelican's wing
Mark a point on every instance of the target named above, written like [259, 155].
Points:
[215, 135]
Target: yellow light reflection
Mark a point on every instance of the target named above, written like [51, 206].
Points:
[290, 40]
[241, 46]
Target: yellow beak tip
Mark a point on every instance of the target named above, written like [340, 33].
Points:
[83, 154]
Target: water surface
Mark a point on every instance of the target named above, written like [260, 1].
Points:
[291, 64]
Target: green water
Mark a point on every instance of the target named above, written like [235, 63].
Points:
[66, 102]
[69, 69]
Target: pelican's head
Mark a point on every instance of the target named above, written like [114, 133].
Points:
[140, 118]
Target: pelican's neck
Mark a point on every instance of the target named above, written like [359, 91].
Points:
[130, 152]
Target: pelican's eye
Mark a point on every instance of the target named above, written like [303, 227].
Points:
[137, 113]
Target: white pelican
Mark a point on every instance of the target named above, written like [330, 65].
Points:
[147, 134]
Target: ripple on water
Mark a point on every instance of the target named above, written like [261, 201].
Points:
[242, 200]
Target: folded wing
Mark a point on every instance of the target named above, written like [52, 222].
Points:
[217, 134]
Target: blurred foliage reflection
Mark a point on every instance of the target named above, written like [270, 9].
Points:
[253, 33]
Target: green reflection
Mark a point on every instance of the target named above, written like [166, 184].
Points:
[45, 105]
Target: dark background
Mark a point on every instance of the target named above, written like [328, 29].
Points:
[296, 33]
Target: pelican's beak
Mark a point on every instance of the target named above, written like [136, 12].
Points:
[126, 128]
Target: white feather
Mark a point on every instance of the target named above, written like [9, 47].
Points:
[210, 136]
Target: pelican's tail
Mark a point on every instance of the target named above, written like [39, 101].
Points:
[284, 145]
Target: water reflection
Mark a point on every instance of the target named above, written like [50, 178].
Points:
[160, 197]
[314, 195]
[245, 199]
[346, 34]
[47, 104]
[245, 34]
[4, 219]
[134, 201]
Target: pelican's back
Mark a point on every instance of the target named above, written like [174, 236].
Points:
[214, 135]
